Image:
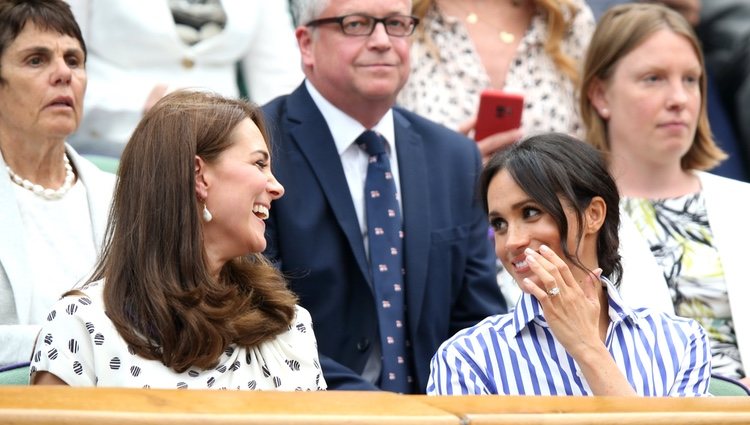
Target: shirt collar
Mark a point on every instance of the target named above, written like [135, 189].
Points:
[529, 309]
[346, 129]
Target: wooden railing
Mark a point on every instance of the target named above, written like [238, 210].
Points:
[484, 410]
[83, 406]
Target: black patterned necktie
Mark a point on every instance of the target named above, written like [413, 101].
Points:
[386, 263]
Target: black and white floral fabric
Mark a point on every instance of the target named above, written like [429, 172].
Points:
[447, 77]
[681, 240]
[81, 346]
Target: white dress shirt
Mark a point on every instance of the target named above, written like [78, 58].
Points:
[345, 131]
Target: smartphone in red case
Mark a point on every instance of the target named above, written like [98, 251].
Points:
[498, 111]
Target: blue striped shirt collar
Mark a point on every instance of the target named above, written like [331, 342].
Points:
[528, 309]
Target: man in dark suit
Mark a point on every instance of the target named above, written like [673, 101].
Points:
[355, 56]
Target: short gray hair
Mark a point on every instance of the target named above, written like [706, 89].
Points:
[304, 11]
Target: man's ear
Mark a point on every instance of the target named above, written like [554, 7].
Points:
[597, 97]
[201, 184]
[305, 41]
[594, 215]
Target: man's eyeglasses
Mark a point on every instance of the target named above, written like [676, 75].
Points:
[364, 25]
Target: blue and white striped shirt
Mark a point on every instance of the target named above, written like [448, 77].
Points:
[516, 354]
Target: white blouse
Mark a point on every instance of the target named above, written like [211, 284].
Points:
[59, 232]
[81, 346]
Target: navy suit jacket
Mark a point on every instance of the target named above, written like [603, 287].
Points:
[314, 237]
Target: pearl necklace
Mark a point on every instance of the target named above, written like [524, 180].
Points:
[42, 191]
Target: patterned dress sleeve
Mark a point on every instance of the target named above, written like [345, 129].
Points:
[64, 345]
[303, 327]
[581, 30]
[575, 45]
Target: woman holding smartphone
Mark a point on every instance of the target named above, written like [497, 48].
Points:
[526, 47]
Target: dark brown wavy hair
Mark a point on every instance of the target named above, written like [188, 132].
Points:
[158, 291]
[551, 166]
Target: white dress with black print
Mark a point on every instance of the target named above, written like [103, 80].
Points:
[81, 346]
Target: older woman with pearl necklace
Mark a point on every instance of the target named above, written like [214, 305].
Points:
[54, 202]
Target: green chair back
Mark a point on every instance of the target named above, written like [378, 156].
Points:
[18, 375]
[723, 386]
[105, 163]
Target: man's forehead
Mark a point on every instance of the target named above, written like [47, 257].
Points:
[379, 7]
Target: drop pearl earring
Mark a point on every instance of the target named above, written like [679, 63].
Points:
[207, 217]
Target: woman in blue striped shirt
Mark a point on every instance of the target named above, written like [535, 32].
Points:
[554, 211]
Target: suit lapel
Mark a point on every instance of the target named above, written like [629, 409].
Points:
[415, 201]
[225, 38]
[313, 138]
[13, 256]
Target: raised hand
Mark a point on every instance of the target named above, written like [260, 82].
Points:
[572, 309]
[576, 312]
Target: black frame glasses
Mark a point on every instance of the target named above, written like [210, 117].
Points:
[358, 24]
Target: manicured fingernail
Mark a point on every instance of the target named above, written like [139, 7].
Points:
[544, 248]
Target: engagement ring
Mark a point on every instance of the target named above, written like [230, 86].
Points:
[553, 291]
